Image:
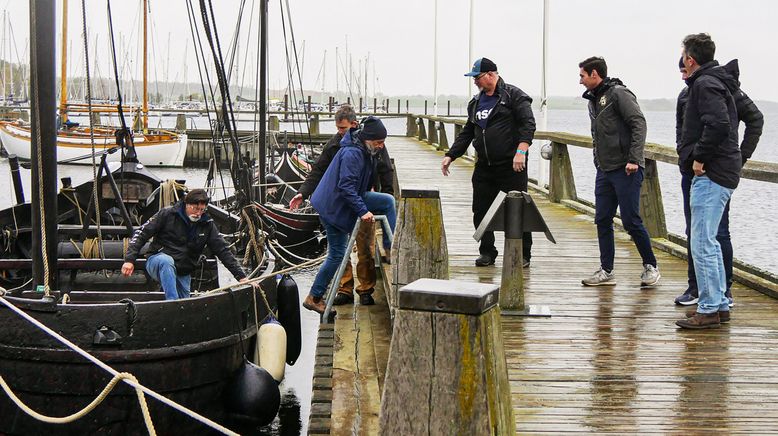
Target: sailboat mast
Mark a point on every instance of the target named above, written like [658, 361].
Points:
[63, 90]
[262, 95]
[43, 100]
[145, 69]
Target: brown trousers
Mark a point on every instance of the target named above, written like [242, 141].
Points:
[366, 275]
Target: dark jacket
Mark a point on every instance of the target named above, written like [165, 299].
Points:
[183, 240]
[709, 133]
[382, 180]
[338, 198]
[618, 125]
[747, 112]
[510, 122]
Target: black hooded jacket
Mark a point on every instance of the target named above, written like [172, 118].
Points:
[183, 240]
[747, 112]
[510, 123]
[618, 125]
[383, 173]
[709, 133]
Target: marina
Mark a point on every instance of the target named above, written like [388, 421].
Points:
[175, 179]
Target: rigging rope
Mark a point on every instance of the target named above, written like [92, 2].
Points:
[95, 197]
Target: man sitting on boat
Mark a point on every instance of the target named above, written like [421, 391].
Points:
[342, 197]
[180, 234]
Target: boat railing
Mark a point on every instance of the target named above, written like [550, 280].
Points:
[561, 186]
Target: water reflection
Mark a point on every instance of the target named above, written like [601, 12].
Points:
[614, 385]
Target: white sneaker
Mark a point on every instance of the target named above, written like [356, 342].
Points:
[650, 276]
[600, 278]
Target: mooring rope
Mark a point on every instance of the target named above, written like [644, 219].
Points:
[89, 407]
[266, 276]
[130, 381]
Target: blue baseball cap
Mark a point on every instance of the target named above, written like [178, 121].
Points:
[482, 65]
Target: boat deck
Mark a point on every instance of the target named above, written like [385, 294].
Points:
[609, 359]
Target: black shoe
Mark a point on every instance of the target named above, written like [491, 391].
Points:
[485, 260]
[342, 299]
[366, 299]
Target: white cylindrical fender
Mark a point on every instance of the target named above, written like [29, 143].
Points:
[271, 340]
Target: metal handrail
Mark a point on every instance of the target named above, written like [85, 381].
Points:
[333, 289]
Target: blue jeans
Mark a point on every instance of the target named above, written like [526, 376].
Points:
[336, 249]
[614, 189]
[708, 200]
[722, 235]
[162, 268]
[382, 204]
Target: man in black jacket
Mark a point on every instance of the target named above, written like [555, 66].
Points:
[501, 126]
[345, 119]
[180, 234]
[618, 135]
[749, 114]
[709, 147]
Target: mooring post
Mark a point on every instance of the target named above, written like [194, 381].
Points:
[411, 129]
[314, 124]
[95, 118]
[273, 124]
[512, 283]
[446, 372]
[514, 213]
[180, 122]
[419, 248]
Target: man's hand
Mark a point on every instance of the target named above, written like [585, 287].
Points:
[631, 169]
[520, 159]
[519, 162]
[368, 217]
[296, 201]
[444, 166]
[698, 168]
[127, 268]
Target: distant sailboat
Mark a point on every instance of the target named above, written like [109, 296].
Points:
[74, 145]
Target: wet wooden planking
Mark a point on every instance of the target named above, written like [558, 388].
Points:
[610, 359]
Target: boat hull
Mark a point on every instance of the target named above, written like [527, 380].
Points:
[153, 150]
[186, 350]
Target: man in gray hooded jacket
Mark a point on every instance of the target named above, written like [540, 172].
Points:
[619, 135]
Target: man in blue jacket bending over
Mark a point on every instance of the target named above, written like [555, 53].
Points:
[343, 196]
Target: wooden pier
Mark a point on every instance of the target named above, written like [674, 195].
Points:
[609, 359]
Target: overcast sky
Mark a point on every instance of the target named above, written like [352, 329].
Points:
[639, 39]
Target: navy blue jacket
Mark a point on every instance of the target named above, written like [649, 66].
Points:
[710, 123]
[338, 197]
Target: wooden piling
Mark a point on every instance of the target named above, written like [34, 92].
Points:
[442, 137]
[95, 118]
[512, 280]
[447, 372]
[180, 122]
[411, 128]
[313, 125]
[273, 124]
[652, 209]
[561, 181]
[419, 248]
[421, 131]
[432, 137]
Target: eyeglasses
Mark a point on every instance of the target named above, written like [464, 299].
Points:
[198, 208]
[478, 77]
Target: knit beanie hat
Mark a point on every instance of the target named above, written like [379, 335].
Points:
[372, 129]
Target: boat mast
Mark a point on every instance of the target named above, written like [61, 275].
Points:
[262, 95]
[145, 69]
[63, 90]
[43, 100]
[435, 63]
[543, 92]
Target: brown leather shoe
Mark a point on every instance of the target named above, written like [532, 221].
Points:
[700, 321]
[723, 315]
[315, 304]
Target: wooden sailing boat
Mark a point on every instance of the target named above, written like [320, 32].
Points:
[153, 147]
[186, 350]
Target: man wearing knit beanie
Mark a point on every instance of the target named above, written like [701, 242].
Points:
[343, 197]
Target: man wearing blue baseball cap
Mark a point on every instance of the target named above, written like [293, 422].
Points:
[501, 127]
